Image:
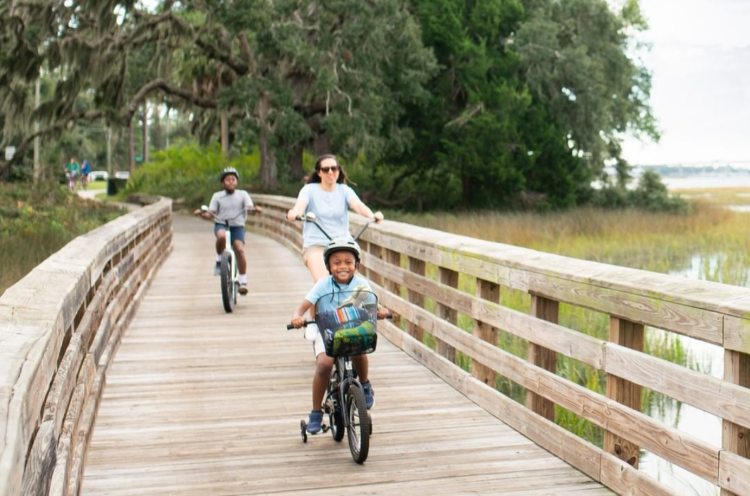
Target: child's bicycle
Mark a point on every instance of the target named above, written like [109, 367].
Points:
[347, 322]
[345, 398]
[229, 275]
[72, 181]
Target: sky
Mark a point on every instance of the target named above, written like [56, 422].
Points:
[700, 64]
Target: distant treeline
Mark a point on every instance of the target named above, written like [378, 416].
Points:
[693, 170]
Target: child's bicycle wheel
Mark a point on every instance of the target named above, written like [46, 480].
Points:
[228, 289]
[303, 430]
[358, 430]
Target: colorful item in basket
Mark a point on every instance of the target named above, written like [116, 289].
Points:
[351, 341]
[342, 318]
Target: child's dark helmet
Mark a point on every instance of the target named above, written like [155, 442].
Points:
[341, 244]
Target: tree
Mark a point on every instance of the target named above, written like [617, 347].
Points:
[532, 97]
[332, 76]
[86, 45]
[576, 63]
[335, 73]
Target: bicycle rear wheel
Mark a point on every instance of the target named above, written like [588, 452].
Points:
[358, 430]
[228, 288]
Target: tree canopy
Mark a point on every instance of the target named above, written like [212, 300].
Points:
[475, 103]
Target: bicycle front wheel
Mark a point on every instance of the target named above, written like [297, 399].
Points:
[358, 428]
[228, 289]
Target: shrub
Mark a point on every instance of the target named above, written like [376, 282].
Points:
[191, 173]
[650, 194]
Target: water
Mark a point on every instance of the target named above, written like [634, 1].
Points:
[709, 359]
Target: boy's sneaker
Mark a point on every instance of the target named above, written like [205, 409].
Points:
[243, 289]
[315, 422]
[217, 268]
[369, 394]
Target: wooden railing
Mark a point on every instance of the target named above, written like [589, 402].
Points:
[396, 261]
[59, 327]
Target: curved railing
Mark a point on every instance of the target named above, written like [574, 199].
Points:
[399, 255]
[59, 326]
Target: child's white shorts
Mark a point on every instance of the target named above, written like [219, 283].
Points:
[312, 334]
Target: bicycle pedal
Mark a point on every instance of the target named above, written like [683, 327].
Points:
[325, 428]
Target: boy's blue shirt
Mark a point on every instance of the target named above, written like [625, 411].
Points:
[328, 285]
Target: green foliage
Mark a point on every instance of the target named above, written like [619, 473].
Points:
[191, 173]
[650, 194]
[36, 222]
[531, 98]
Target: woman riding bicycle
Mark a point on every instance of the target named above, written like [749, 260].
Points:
[327, 195]
[341, 259]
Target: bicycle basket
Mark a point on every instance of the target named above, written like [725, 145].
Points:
[347, 322]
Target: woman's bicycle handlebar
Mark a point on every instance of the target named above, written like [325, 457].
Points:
[310, 217]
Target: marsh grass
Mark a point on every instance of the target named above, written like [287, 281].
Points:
[35, 224]
[709, 243]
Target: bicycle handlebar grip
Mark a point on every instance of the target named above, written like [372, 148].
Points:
[289, 326]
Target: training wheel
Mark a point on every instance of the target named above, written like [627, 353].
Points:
[303, 430]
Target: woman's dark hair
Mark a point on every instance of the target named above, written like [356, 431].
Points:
[314, 177]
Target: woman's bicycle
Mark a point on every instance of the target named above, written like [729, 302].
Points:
[347, 322]
[229, 275]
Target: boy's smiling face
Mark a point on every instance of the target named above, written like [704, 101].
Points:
[343, 265]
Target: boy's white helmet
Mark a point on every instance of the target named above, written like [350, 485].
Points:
[342, 244]
[227, 171]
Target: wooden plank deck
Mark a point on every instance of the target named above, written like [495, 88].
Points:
[199, 402]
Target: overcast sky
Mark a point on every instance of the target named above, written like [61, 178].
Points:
[700, 60]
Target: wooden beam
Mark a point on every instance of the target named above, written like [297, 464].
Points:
[394, 258]
[544, 309]
[416, 266]
[630, 335]
[491, 292]
[449, 278]
[735, 438]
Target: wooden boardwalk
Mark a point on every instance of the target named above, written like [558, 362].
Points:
[199, 402]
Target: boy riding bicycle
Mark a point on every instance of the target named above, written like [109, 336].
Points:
[230, 205]
[341, 257]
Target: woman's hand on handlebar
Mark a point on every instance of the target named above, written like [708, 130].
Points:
[378, 216]
[298, 322]
[384, 313]
[293, 215]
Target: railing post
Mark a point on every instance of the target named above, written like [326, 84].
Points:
[418, 267]
[736, 438]
[449, 278]
[394, 258]
[545, 309]
[377, 252]
[489, 291]
[631, 335]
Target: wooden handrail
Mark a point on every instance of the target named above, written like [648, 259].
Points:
[59, 326]
[633, 299]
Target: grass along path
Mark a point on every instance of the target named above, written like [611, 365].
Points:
[36, 223]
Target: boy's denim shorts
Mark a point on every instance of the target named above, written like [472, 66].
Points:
[237, 232]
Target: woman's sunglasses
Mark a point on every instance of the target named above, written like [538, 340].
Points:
[326, 170]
